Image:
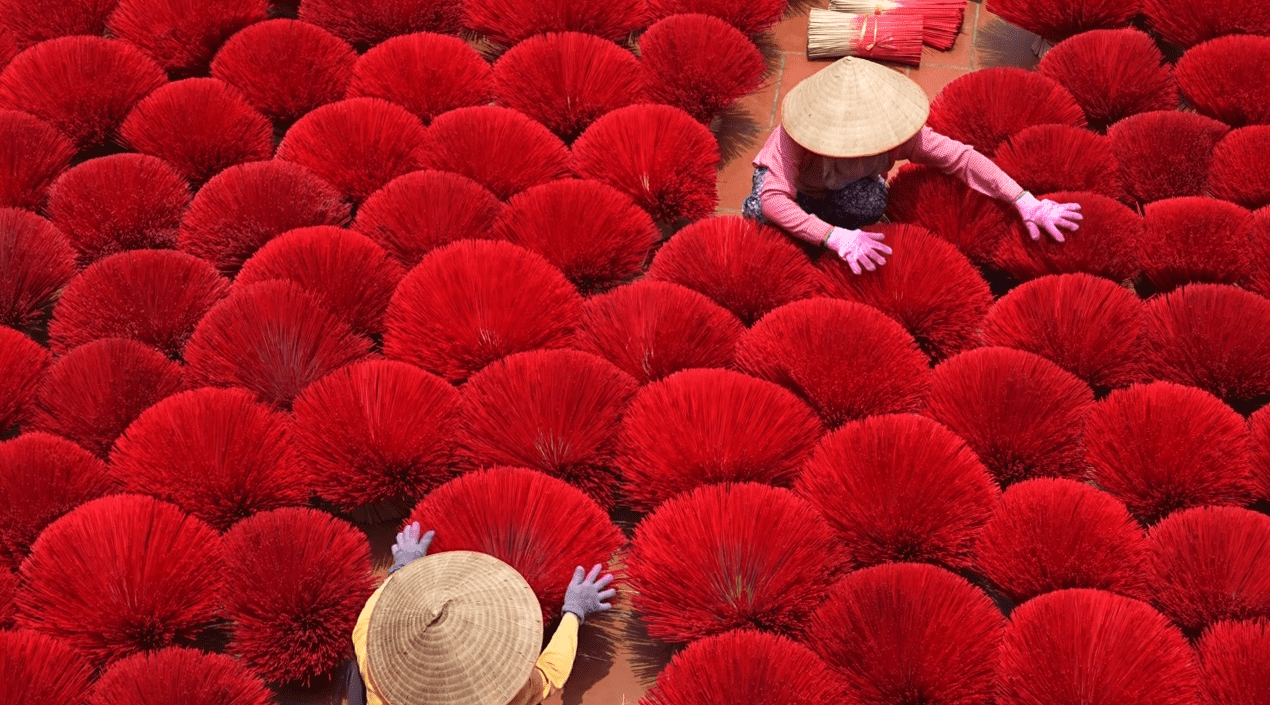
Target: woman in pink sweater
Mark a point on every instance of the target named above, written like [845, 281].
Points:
[820, 176]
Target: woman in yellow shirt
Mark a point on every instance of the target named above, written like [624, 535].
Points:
[463, 628]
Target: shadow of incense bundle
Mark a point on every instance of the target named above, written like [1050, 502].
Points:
[895, 38]
[941, 19]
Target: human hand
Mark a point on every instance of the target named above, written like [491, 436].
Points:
[858, 248]
[410, 546]
[586, 594]
[1049, 215]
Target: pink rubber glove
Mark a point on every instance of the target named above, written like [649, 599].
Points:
[1048, 215]
[858, 248]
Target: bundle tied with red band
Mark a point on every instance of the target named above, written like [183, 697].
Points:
[884, 37]
[941, 19]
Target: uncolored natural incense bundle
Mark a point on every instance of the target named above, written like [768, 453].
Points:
[941, 19]
[895, 38]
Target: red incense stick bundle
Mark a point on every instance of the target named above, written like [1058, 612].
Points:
[941, 19]
[888, 37]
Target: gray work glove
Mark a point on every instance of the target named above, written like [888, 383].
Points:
[409, 547]
[586, 594]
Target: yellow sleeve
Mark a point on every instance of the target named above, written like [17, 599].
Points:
[359, 646]
[556, 662]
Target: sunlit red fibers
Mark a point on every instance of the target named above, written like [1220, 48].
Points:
[828, 352]
[200, 126]
[152, 296]
[1195, 239]
[1057, 20]
[286, 68]
[34, 21]
[700, 427]
[567, 80]
[423, 210]
[180, 675]
[1089, 647]
[748, 16]
[1241, 167]
[740, 667]
[1112, 74]
[541, 526]
[1087, 325]
[1259, 425]
[182, 35]
[40, 669]
[83, 86]
[1197, 336]
[8, 584]
[900, 488]
[357, 145]
[1107, 243]
[8, 47]
[425, 73]
[1165, 154]
[432, 322]
[509, 22]
[699, 64]
[352, 276]
[1188, 23]
[1208, 564]
[499, 148]
[92, 393]
[1233, 667]
[986, 108]
[974, 223]
[273, 339]
[658, 155]
[1051, 534]
[22, 367]
[555, 411]
[247, 205]
[364, 24]
[725, 557]
[117, 203]
[215, 453]
[1225, 78]
[42, 477]
[118, 600]
[1259, 254]
[35, 154]
[593, 233]
[376, 431]
[1023, 415]
[927, 286]
[36, 262]
[1049, 158]
[293, 604]
[651, 329]
[905, 631]
[747, 268]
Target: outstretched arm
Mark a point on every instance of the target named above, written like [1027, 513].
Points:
[981, 174]
[588, 593]
[782, 156]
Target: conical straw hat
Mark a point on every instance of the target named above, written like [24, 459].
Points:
[455, 628]
[854, 108]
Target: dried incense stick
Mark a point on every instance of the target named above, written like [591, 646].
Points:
[941, 19]
[895, 38]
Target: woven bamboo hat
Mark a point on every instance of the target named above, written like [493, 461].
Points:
[854, 108]
[455, 628]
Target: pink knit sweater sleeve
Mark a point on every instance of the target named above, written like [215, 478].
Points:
[782, 156]
[962, 161]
